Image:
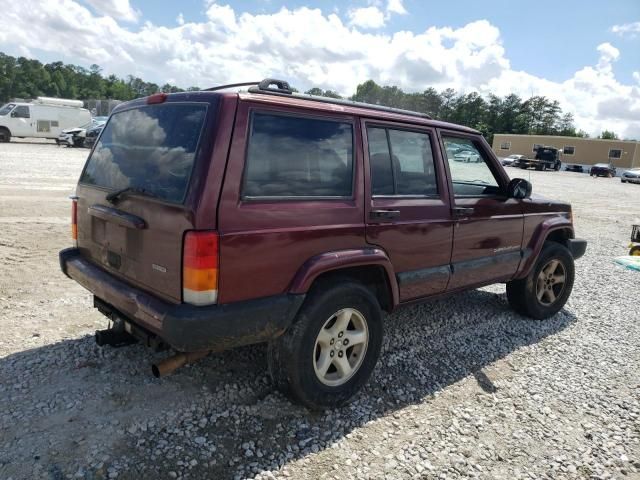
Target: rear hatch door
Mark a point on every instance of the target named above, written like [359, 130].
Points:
[134, 196]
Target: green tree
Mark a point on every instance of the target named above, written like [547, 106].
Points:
[608, 135]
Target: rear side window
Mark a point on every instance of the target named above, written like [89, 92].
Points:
[401, 162]
[298, 157]
[152, 147]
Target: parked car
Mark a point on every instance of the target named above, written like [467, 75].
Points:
[467, 156]
[75, 137]
[508, 161]
[44, 117]
[93, 133]
[574, 168]
[602, 170]
[631, 176]
[208, 220]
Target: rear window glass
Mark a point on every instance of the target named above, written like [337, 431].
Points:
[151, 147]
[298, 157]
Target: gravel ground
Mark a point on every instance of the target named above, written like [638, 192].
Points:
[465, 388]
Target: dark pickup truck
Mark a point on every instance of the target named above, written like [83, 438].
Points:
[209, 220]
[546, 158]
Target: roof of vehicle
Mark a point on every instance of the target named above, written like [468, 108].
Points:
[603, 165]
[284, 96]
[352, 108]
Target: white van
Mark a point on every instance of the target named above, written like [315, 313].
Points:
[42, 118]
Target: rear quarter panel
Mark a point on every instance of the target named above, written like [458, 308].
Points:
[264, 243]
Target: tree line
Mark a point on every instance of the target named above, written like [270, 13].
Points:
[28, 78]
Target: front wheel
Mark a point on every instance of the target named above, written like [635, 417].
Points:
[635, 251]
[329, 352]
[5, 135]
[547, 287]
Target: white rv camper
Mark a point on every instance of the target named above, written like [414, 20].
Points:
[42, 118]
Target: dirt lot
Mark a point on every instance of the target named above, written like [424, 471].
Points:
[465, 387]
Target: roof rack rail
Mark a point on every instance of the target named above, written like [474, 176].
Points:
[283, 89]
[231, 85]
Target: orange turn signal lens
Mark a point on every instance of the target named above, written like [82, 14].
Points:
[74, 220]
[200, 267]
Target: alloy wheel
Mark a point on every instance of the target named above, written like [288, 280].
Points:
[340, 347]
[550, 283]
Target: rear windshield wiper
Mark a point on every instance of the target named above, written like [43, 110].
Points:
[113, 197]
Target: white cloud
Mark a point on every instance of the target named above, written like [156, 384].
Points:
[396, 6]
[180, 19]
[608, 54]
[310, 48]
[631, 29]
[367, 17]
[118, 9]
[373, 17]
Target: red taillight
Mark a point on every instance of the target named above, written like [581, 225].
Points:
[74, 221]
[156, 98]
[200, 267]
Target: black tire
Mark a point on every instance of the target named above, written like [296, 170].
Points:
[5, 135]
[635, 251]
[522, 293]
[622, 180]
[291, 356]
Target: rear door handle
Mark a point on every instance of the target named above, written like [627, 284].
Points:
[384, 214]
[462, 211]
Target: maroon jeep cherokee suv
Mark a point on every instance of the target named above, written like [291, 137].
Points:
[209, 220]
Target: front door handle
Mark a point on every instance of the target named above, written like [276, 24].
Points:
[463, 211]
[384, 214]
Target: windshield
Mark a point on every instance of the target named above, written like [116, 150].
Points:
[7, 108]
[152, 147]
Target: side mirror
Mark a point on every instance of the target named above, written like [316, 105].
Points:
[14, 114]
[519, 188]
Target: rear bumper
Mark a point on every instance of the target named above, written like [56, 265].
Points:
[577, 247]
[186, 328]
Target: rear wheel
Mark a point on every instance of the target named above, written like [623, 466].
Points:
[5, 135]
[635, 251]
[329, 352]
[547, 287]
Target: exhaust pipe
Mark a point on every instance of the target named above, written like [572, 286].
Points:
[171, 364]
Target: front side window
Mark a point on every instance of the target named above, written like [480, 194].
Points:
[401, 162]
[470, 171]
[298, 157]
[151, 147]
[21, 111]
[615, 153]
